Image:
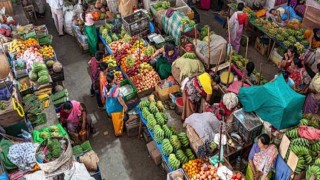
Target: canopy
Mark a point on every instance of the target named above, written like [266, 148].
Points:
[274, 102]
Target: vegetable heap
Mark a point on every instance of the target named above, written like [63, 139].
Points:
[54, 149]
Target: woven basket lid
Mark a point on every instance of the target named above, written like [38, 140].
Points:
[5, 67]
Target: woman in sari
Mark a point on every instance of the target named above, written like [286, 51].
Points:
[288, 58]
[90, 29]
[163, 65]
[261, 159]
[74, 117]
[284, 14]
[195, 89]
[299, 75]
[313, 36]
[236, 24]
[312, 102]
[249, 76]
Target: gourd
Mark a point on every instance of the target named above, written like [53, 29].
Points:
[49, 63]
[43, 79]
[57, 67]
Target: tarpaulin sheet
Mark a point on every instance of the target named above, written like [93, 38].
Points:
[275, 102]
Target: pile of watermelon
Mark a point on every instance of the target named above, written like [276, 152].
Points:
[39, 73]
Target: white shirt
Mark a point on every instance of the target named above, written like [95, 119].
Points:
[55, 4]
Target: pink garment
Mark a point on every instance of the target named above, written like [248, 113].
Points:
[75, 112]
[236, 42]
[264, 160]
[94, 69]
[235, 86]
[309, 133]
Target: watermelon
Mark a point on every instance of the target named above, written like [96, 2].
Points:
[33, 76]
[43, 73]
[43, 79]
[36, 67]
[43, 67]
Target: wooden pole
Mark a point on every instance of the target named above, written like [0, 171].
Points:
[217, 67]
[260, 69]
[229, 70]
[195, 35]
[247, 46]
[209, 48]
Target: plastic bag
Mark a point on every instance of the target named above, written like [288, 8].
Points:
[68, 17]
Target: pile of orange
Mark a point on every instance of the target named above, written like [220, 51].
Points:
[193, 167]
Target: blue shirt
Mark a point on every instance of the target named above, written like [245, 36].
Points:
[255, 149]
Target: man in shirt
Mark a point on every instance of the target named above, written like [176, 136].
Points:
[57, 14]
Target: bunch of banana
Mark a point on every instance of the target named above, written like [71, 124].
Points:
[292, 134]
[313, 171]
[300, 142]
[316, 146]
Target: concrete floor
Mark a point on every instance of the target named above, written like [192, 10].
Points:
[120, 158]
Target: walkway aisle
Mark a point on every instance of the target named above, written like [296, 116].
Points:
[120, 158]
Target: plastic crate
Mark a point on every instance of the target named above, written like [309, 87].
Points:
[56, 77]
[26, 91]
[136, 23]
[19, 73]
[132, 95]
[248, 125]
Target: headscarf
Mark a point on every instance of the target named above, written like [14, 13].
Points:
[174, 56]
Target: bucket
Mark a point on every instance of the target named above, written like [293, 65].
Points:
[179, 105]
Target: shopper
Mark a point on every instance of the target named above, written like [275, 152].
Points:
[57, 14]
[195, 89]
[299, 75]
[40, 7]
[236, 24]
[312, 102]
[114, 101]
[288, 57]
[90, 29]
[94, 64]
[74, 117]
[169, 53]
[261, 159]
[249, 76]
[284, 14]
[313, 36]
[286, 77]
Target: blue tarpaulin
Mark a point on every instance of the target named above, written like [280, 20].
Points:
[275, 102]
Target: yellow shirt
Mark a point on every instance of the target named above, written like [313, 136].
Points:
[206, 81]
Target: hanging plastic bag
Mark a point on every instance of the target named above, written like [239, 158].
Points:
[68, 17]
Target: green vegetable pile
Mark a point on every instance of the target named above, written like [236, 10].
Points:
[161, 5]
[54, 149]
[3, 106]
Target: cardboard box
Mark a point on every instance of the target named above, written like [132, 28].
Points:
[275, 56]
[261, 48]
[163, 93]
[154, 152]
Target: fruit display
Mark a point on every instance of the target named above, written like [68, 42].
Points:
[236, 176]
[176, 144]
[174, 163]
[189, 154]
[31, 42]
[39, 73]
[151, 121]
[158, 133]
[47, 52]
[193, 167]
[314, 171]
[167, 132]
[161, 5]
[306, 150]
[145, 81]
[118, 77]
[30, 56]
[166, 148]
[110, 60]
[16, 46]
[144, 103]
[181, 156]
[300, 47]
[149, 51]
[183, 139]
[160, 119]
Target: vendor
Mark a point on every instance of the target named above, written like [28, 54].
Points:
[288, 57]
[284, 14]
[163, 65]
[236, 24]
[111, 91]
[249, 76]
[74, 116]
[90, 29]
[313, 36]
[195, 89]
[261, 159]
[312, 101]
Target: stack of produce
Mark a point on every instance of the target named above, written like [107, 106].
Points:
[118, 76]
[107, 32]
[54, 149]
[47, 52]
[161, 5]
[207, 172]
[60, 97]
[31, 42]
[112, 63]
[39, 73]
[204, 33]
[145, 81]
[30, 56]
[306, 150]
[53, 132]
[314, 170]
[33, 108]
[193, 167]
[16, 46]
[174, 145]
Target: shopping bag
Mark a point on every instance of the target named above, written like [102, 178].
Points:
[112, 103]
[117, 120]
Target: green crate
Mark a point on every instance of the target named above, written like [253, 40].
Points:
[132, 95]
